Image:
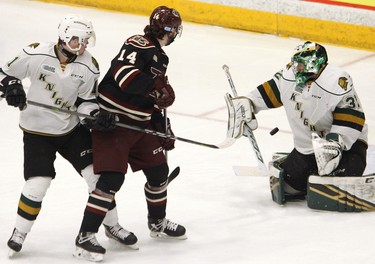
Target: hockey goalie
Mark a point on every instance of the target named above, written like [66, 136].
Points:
[325, 115]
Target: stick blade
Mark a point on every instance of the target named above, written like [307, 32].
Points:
[248, 171]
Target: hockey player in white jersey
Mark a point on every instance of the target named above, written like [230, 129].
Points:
[62, 75]
[325, 116]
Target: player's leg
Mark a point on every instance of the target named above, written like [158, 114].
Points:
[289, 174]
[39, 155]
[78, 151]
[148, 156]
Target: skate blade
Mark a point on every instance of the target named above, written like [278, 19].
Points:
[12, 253]
[91, 256]
[117, 243]
[162, 235]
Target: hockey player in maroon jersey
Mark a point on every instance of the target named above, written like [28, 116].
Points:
[135, 88]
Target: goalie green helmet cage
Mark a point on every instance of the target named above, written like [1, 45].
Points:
[312, 56]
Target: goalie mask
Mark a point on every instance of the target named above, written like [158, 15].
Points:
[308, 59]
[164, 20]
[75, 26]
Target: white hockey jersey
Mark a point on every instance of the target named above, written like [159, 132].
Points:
[328, 104]
[63, 86]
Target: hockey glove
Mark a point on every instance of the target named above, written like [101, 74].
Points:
[328, 152]
[14, 92]
[240, 112]
[104, 121]
[163, 91]
[158, 124]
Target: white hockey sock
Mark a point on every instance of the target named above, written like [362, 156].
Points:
[111, 218]
[30, 202]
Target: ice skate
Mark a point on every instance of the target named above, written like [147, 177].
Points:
[164, 228]
[87, 247]
[121, 235]
[15, 242]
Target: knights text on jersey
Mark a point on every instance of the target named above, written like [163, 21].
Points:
[125, 89]
[329, 104]
[56, 85]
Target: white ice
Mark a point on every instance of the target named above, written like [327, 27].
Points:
[229, 218]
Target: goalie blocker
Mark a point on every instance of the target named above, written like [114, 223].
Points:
[342, 194]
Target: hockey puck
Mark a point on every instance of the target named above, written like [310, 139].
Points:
[274, 131]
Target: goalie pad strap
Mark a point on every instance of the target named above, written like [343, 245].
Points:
[342, 194]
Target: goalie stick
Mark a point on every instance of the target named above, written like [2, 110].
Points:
[247, 130]
[226, 143]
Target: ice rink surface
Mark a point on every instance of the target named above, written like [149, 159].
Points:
[229, 218]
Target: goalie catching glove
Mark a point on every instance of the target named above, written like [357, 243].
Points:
[327, 152]
[240, 112]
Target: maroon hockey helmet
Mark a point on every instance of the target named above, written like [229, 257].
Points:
[166, 19]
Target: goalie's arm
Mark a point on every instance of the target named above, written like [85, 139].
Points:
[267, 95]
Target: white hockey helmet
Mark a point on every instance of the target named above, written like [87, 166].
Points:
[73, 25]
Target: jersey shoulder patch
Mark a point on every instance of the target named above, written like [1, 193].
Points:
[95, 63]
[335, 80]
[39, 48]
[140, 42]
[33, 45]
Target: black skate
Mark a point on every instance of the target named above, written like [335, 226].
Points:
[87, 247]
[121, 235]
[164, 228]
[15, 242]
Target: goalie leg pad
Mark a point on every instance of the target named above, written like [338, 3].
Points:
[277, 188]
[342, 194]
[280, 190]
[277, 177]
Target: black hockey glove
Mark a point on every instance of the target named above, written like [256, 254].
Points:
[104, 121]
[158, 124]
[14, 92]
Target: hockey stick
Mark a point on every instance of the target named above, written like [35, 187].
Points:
[166, 130]
[226, 143]
[173, 175]
[247, 130]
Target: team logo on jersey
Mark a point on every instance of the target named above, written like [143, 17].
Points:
[343, 82]
[155, 58]
[48, 68]
[140, 40]
[95, 62]
[34, 45]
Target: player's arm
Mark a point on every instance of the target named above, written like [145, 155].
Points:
[128, 70]
[242, 109]
[267, 95]
[86, 99]
[128, 66]
[347, 125]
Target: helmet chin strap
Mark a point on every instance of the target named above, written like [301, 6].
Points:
[66, 52]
